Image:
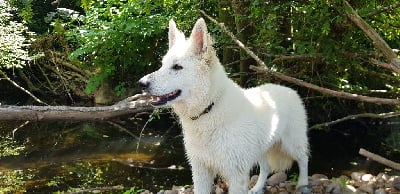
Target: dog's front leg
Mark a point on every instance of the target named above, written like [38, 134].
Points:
[238, 183]
[202, 178]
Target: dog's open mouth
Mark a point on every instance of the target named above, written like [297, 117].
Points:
[163, 99]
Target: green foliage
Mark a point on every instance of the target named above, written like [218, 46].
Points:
[294, 177]
[121, 40]
[12, 181]
[14, 39]
[332, 51]
[8, 147]
[133, 190]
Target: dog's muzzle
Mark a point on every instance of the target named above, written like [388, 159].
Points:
[144, 83]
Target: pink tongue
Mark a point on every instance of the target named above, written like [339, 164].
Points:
[155, 98]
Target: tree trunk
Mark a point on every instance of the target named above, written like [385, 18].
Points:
[225, 15]
[377, 40]
[244, 31]
[131, 105]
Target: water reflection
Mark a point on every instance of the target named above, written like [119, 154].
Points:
[60, 156]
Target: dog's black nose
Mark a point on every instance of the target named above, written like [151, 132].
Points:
[144, 83]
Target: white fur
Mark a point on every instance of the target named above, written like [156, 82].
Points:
[265, 125]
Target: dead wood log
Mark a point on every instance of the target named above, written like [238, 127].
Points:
[263, 69]
[131, 105]
[379, 159]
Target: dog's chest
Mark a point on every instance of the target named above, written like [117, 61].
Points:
[204, 143]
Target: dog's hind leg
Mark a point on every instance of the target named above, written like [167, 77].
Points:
[298, 150]
[302, 184]
[262, 177]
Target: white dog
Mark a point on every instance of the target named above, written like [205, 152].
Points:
[227, 130]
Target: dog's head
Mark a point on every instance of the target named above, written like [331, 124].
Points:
[185, 72]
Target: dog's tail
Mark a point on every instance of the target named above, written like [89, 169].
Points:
[278, 159]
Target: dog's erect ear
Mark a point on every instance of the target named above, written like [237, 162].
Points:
[199, 36]
[174, 34]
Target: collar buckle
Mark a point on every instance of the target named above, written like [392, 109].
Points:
[205, 111]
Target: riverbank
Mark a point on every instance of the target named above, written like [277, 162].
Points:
[279, 183]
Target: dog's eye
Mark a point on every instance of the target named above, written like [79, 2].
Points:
[177, 67]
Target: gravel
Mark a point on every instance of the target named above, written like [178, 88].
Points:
[358, 182]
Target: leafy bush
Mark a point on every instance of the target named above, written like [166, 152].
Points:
[13, 39]
[122, 40]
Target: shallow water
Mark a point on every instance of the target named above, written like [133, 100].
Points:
[62, 156]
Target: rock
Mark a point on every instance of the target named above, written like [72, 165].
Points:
[367, 177]
[318, 189]
[380, 191]
[318, 177]
[368, 188]
[160, 192]
[146, 192]
[396, 183]
[277, 178]
[351, 189]
[356, 176]
[334, 187]
[274, 190]
[188, 191]
[282, 185]
[291, 187]
[171, 192]
[253, 181]
[382, 177]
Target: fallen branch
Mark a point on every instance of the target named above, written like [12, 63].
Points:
[357, 116]
[264, 69]
[131, 105]
[379, 159]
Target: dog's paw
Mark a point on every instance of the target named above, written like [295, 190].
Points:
[304, 189]
[255, 192]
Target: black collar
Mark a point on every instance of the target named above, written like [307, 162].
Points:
[205, 111]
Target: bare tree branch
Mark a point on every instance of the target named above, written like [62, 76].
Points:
[296, 58]
[373, 35]
[264, 69]
[388, 66]
[386, 9]
[131, 105]
[357, 116]
[21, 88]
